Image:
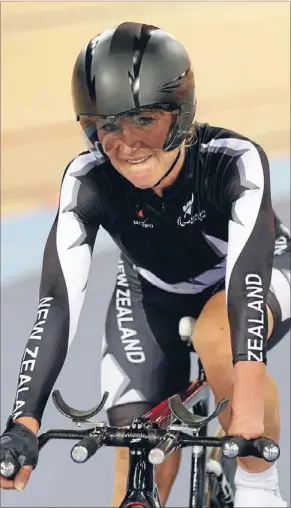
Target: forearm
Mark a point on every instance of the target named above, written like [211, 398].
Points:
[249, 380]
[43, 358]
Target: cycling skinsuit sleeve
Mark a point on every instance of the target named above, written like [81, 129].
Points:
[250, 251]
[66, 264]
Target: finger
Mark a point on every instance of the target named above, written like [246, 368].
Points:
[251, 435]
[22, 477]
[6, 484]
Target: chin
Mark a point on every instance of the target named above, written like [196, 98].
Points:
[142, 185]
[142, 181]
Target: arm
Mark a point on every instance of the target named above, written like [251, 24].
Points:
[249, 265]
[66, 264]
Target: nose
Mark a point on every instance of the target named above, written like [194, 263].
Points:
[129, 140]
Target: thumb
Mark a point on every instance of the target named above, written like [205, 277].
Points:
[22, 477]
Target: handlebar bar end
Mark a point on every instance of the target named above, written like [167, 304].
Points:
[156, 456]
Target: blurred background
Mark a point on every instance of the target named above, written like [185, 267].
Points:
[241, 58]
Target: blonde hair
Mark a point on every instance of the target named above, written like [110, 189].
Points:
[191, 136]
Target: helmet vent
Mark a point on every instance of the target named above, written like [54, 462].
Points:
[139, 46]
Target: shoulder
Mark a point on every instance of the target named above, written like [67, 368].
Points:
[82, 185]
[220, 140]
[83, 164]
[230, 164]
[225, 154]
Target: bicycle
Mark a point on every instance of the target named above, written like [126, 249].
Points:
[154, 436]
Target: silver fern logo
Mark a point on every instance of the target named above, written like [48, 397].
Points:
[187, 209]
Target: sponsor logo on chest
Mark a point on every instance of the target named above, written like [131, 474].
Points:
[141, 220]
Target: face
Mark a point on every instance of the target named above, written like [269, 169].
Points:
[134, 144]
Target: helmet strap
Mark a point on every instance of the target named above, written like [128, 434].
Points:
[169, 170]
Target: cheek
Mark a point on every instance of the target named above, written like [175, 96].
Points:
[106, 142]
[155, 138]
[111, 154]
[100, 135]
[118, 164]
[164, 160]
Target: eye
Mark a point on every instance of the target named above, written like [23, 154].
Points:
[110, 127]
[145, 120]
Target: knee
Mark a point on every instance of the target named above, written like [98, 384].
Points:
[120, 475]
[271, 397]
[122, 458]
[121, 468]
[211, 335]
[167, 472]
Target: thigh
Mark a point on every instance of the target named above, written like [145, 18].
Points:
[144, 360]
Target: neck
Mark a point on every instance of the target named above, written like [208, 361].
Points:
[169, 180]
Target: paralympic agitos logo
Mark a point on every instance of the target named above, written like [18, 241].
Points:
[188, 217]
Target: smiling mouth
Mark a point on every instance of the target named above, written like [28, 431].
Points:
[137, 161]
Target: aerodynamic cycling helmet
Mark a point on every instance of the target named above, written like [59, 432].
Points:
[131, 67]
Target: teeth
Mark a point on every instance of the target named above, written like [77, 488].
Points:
[138, 161]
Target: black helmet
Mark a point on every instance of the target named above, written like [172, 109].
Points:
[130, 67]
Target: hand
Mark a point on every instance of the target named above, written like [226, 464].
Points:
[19, 442]
[19, 481]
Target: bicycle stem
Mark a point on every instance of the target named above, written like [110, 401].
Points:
[141, 471]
